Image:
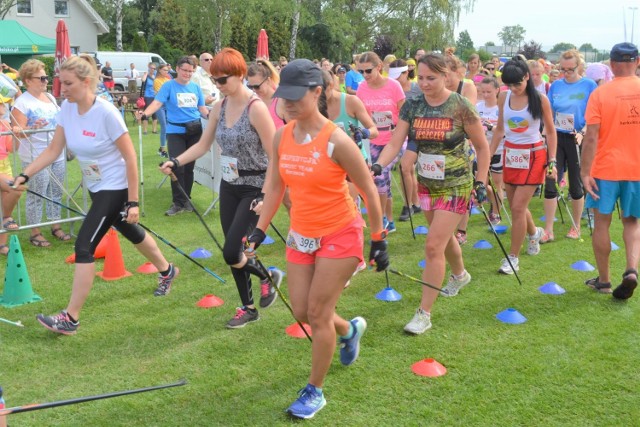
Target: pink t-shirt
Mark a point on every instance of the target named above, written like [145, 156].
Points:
[382, 105]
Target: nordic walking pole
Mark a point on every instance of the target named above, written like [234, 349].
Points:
[499, 200]
[181, 252]
[589, 222]
[408, 204]
[18, 323]
[414, 279]
[38, 406]
[141, 225]
[162, 182]
[504, 251]
[141, 170]
[278, 233]
[281, 295]
[564, 202]
[184, 193]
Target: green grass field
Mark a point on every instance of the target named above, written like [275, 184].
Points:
[573, 363]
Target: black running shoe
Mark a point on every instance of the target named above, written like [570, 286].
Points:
[165, 282]
[404, 215]
[59, 323]
[243, 316]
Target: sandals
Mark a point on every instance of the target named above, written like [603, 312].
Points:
[39, 243]
[597, 285]
[628, 285]
[3, 251]
[9, 223]
[59, 234]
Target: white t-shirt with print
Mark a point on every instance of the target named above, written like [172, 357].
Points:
[91, 136]
[34, 109]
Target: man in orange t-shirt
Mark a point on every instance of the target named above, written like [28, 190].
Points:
[610, 159]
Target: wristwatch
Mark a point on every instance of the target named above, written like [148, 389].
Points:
[380, 235]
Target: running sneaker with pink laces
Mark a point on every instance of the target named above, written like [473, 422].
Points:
[547, 237]
[461, 237]
[268, 292]
[573, 234]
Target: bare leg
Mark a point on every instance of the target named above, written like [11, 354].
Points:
[601, 243]
[522, 221]
[577, 206]
[149, 248]
[550, 214]
[631, 236]
[440, 246]
[82, 284]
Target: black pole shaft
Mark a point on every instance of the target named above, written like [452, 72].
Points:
[504, 251]
[408, 204]
[278, 233]
[38, 406]
[415, 279]
[184, 193]
[282, 297]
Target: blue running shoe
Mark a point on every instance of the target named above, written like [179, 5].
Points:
[385, 222]
[309, 401]
[350, 347]
[391, 227]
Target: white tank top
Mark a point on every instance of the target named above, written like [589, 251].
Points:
[519, 126]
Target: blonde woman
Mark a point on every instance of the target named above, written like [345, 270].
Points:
[95, 131]
[37, 109]
[263, 80]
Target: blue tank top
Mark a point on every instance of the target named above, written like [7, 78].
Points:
[519, 126]
[148, 88]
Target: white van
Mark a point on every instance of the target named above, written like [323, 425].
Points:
[121, 61]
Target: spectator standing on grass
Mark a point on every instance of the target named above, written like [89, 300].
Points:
[202, 77]
[37, 109]
[162, 77]
[8, 197]
[610, 173]
[243, 129]
[95, 131]
[438, 123]
[107, 76]
[132, 76]
[149, 93]
[313, 159]
[184, 104]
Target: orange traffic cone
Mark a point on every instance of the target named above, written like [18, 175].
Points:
[113, 261]
[101, 251]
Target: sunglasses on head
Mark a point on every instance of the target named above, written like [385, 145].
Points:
[221, 80]
[256, 87]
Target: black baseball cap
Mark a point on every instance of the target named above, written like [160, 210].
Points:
[624, 52]
[296, 79]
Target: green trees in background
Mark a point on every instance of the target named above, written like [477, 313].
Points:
[326, 28]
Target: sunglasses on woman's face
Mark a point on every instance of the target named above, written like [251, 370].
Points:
[256, 87]
[221, 80]
[42, 78]
[368, 71]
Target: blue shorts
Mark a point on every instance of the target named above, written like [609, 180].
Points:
[628, 192]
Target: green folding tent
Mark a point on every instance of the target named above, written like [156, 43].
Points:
[17, 43]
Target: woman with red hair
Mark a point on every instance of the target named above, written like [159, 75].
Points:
[243, 128]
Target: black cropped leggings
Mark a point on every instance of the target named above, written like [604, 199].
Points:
[104, 212]
[566, 155]
[237, 220]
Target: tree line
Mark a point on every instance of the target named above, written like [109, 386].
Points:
[334, 29]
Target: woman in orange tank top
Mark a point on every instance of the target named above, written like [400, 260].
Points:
[312, 157]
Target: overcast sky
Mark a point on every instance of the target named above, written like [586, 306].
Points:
[553, 21]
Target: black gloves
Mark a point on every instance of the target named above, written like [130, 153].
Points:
[481, 191]
[256, 237]
[378, 253]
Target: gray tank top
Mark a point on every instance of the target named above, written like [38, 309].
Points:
[241, 141]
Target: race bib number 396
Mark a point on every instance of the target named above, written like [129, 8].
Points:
[300, 243]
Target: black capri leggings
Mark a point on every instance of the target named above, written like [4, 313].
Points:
[567, 154]
[104, 212]
[237, 220]
[178, 143]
